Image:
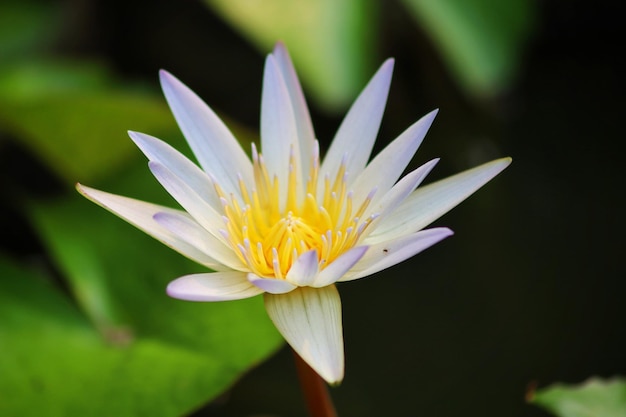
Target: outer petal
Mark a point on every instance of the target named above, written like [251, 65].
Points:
[140, 214]
[204, 214]
[306, 135]
[385, 254]
[215, 286]
[385, 169]
[213, 144]
[394, 197]
[188, 230]
[158, 151]
[427, 204]
[339, 267]
[279, 135]
[358, 131]
[310, 320]
[271, 285]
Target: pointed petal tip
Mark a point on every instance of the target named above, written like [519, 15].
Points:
[172, 290]
[500, 164]
[84, 191]
[430, 165]
[168, 81]
[141, 139]
[164, 78]
[437, 234]
[136, 137]
[383, 76]
[428, 118]
[175, 290]
[432, 113]
[332, 376]
[179, 290]
[163, 75]
[446, 232]
[133, 134]
[270, 58]
[386, 69]
[334, 379]
[280, 47]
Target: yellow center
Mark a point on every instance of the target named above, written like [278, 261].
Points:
[269, 238]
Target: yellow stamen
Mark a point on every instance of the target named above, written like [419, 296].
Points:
[269, 238]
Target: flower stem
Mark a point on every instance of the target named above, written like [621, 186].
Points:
[315, 390]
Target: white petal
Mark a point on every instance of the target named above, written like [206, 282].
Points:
[304, 269]
[306, 135]
[394, 197]
[271, 285]
[428, 203]
[215, 286]
[340, 266]
[385, 169]
[188, 230]
[310, 321]
[278, 126]
[385, 254]
[216, 148]
[159, 151]
[204, 214]
[357, 133]
[140, 214]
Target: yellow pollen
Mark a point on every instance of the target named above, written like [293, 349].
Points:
[269, 238]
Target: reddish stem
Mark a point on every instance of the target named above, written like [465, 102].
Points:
[315, 390]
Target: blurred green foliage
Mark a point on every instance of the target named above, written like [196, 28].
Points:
[593, 398]
[331, 42]
[334, 43]
[26, 27]
[482, 41]
[73, 116]
[166, 360]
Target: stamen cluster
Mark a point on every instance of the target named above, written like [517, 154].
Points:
[269, 234]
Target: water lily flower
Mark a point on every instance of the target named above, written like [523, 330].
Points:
[286, 223]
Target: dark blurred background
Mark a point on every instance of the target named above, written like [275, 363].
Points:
[529, 291]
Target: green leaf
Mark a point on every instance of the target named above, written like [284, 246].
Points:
[30, 80]
[330, 42]
[120, 346]
[26, 27]
[593, 398]
[481, 40]
[54, 363]
[74, 118]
